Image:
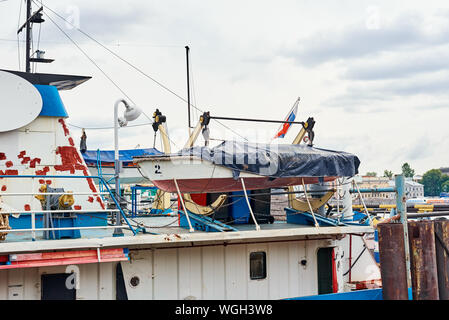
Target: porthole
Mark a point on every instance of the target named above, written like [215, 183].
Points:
[134, 282]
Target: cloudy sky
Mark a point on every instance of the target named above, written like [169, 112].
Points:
[373, 74]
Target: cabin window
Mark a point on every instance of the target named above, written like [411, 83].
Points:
[258, 265]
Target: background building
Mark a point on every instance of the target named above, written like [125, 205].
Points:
[413, 189]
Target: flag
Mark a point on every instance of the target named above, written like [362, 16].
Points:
[282, 131]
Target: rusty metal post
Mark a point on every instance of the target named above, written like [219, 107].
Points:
[423, 260]
[393, 268]
[401, 210]
[442, 253]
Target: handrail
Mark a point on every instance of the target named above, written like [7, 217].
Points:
[58, 211]
[119, 209]
[51, 193]
[59, 229]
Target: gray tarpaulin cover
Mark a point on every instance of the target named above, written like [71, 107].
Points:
[278, 160]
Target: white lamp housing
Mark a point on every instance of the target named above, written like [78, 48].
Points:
[132, 113]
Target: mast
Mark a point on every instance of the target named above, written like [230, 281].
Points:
[28, 38]
[36, 17]
[188, 88]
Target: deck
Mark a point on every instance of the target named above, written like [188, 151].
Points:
[163, 231]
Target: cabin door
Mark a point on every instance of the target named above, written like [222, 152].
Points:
[327, 272]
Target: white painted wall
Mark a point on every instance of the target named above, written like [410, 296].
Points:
[365, 268]
[40, 139]
[212, 272]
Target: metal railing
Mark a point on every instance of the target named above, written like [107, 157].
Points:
[100, 173]
[120, 214]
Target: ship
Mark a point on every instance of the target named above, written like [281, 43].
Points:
[66, 234]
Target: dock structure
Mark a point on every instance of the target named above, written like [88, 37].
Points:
[414, 254]
[429, 243]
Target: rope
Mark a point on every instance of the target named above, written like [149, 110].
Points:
[183, 205]
[364, 206]
[249, 205]
[310, 206]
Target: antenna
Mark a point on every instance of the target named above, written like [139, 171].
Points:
[28, 25]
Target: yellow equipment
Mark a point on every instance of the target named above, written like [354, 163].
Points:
[189, 203]
[162, 200]
[311, 203]
[65, 201]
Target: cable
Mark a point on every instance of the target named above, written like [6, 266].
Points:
[18, 39]
[132, 66]
[38, 41]
[90, 59]
[108, 128]
[355, 261]
[110, 44]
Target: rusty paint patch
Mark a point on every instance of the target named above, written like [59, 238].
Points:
[34, 161]
[25, 160]
[70, 158]
[41, 172]
[71, 161]
[100, 202]
[66, 130]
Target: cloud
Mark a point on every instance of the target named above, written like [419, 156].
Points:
[434, 86]
[408, 31]
[419, 149]
[399, 66]
[389, 94]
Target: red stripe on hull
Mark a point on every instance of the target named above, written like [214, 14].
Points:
[230, 184]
